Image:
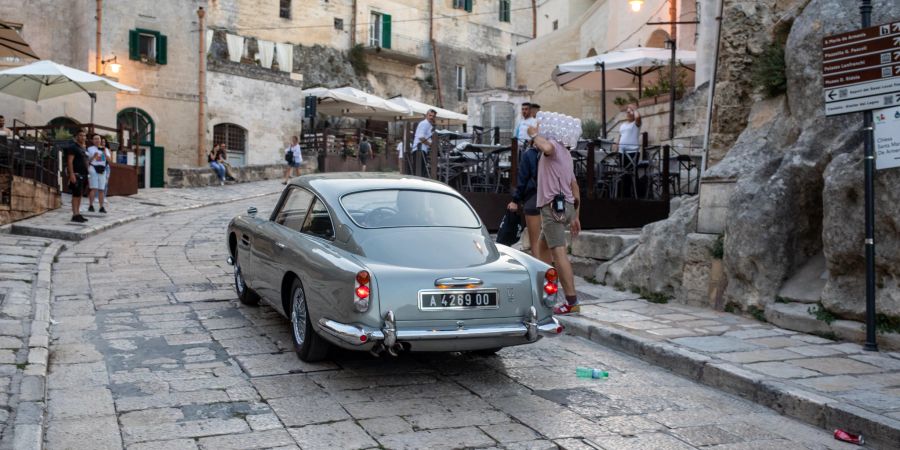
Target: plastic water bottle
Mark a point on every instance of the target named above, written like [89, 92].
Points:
[587, 372]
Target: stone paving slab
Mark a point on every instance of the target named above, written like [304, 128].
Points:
[56, 224]
[826, 383]
[25, 281]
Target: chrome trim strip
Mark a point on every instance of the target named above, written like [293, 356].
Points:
[465, 333]
[350, 333]
[455, 282]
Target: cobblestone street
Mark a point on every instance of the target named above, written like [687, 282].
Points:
[150, 349]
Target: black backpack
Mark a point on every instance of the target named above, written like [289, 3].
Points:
[510, 228]
[289, 156]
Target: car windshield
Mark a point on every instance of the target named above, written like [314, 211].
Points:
[391, 208]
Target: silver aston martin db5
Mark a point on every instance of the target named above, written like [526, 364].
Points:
[386, 262]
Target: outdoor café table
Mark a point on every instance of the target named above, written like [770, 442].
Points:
[487, 165]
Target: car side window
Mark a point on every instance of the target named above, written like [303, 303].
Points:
[318, 222]
[293, 210]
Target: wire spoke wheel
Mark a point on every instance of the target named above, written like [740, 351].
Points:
[298, 315]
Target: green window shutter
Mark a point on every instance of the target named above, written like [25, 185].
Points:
[133, 52]
[386, 31]
[162, 56]
[468, 5]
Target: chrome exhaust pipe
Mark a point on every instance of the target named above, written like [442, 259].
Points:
[395, 349]
[377, 350]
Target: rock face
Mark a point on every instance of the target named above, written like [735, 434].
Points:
[844, 234]
[658, 262]
[798, 176]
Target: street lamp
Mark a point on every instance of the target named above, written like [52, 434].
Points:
[636, 5]
[115, 67]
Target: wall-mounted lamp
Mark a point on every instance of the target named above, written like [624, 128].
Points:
[636, 4]
[115, 67]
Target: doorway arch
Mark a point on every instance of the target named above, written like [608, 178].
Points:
[139, 131]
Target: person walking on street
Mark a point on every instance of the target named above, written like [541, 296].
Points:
[77, 172]
[294, 158]
[365, 150]
[558, 199]
[526, 194]
[213, 158]
[422, 143]
[99, 163]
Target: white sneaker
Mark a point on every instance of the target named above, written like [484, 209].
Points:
[223, 183]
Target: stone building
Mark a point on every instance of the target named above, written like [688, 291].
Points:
[260, 54]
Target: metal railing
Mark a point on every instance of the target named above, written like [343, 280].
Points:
[37, 161]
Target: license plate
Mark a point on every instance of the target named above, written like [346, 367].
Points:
[458, 299]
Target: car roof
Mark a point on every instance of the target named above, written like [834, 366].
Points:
[332, 186]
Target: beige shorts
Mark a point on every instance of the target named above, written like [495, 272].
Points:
[552, 231]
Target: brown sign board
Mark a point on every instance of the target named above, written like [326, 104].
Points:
[861, 69]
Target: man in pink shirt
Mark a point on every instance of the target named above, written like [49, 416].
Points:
[558, 199]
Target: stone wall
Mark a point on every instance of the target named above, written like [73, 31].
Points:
[204, 176]
[27, 198]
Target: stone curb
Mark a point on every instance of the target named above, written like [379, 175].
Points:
[814, 409]
[28, 429]
[36, 231]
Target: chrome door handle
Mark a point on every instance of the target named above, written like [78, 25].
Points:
[280, 245]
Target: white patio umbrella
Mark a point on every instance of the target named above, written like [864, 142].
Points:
[46, 79]
[352, 102]
[418, 109]
[623, 68]
[617, 70]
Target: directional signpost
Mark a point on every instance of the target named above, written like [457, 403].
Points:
[861, 72]
[862, 69]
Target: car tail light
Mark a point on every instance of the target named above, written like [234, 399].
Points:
[551, 287]
[362, 291]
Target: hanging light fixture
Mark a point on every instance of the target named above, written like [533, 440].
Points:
[636, 5]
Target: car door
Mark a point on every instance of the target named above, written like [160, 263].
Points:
[272, 241]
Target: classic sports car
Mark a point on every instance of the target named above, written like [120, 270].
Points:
[384, 262]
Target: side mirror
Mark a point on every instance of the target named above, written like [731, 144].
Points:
[251, 210]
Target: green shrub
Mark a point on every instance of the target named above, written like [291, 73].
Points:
[887, 324]
[357, 57]
[718, 249]
[757, 313]
[821, 313]
[769, 70]
[590, 129]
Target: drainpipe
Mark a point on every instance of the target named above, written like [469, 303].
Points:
[534, 19]
[201, 91]
[353, 26]
[712, 88]
[434, 54]
[98, 65]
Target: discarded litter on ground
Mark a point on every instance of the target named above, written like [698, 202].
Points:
[587, 372]
[842, 435]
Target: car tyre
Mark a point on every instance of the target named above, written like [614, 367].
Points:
[246, 295]
[310, 347]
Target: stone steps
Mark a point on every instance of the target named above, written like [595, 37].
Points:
[796, 316]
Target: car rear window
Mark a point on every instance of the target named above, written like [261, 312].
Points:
[390, 208]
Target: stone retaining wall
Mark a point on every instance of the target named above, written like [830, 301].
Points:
[204, 176]
[27, 198]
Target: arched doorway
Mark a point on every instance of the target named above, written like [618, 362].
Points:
[658, 39]
[139, 136]
[591, 52]
[62, 127]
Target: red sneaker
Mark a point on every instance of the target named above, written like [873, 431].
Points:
[566, 308]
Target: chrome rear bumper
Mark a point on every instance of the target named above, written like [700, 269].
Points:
[356, 335]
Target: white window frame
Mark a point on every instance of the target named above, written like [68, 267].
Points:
[376, 36]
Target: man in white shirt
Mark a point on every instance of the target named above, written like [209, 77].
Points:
[294, 158]
[528, 120]
[630, 132]
[422, 143]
